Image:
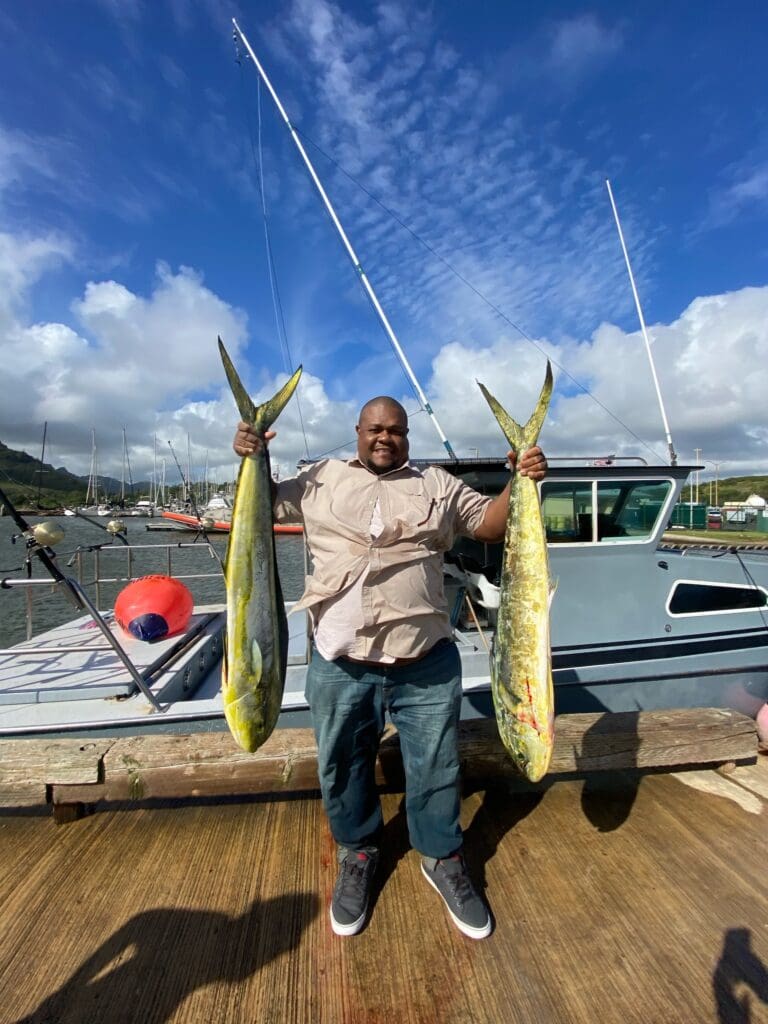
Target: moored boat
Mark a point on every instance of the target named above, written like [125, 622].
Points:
[635, 626]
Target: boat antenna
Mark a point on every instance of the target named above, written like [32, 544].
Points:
[347, 244]
[670, 446]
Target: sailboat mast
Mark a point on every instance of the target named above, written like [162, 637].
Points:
[42, 462]
[348, 246]
[122, 474]
[670, 447]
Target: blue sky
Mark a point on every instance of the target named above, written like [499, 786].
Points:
[457, 141]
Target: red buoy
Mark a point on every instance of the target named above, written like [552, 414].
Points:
[154, 607]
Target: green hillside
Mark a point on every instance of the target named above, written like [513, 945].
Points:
[734, 488]
[21, 479]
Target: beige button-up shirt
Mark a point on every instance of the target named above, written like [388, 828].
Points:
[404, 608]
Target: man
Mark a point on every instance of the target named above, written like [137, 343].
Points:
[377, 529]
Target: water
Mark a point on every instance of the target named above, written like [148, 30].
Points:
[146, 554]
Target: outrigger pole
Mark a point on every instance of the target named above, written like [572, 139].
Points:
[347, 244]
[670, 447]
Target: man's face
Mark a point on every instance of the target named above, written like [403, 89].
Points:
[382, 437]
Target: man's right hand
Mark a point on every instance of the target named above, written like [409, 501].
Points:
[247, 441]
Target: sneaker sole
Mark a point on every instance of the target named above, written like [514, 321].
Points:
[467, 929]
[348, 929]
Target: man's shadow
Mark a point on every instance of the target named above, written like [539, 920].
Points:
[738, 966]
[150, 965]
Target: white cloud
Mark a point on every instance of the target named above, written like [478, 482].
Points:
[581, 42]
[745, 193]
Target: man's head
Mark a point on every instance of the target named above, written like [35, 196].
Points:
[382, 435]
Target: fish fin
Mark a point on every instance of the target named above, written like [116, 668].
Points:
[551, 594]
[510, 428]
[257, 662]
[532, 428]
[261, 416]
[521, 438]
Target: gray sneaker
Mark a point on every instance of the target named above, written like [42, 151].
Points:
[349, 905]
[449, 876]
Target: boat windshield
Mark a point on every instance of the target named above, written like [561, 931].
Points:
[597, 511]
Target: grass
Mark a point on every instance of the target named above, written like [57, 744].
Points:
[720, 536]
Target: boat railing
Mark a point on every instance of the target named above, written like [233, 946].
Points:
[90, 572]
[80, 561]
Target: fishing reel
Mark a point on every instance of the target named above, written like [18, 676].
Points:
[44, 535]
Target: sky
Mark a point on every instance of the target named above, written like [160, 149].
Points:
[152, 199]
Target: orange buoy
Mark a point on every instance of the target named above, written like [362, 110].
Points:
[154, 607]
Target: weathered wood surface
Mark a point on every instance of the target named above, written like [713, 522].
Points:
[68, 772]
[616, 901]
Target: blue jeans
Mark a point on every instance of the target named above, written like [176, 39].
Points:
[348, 701]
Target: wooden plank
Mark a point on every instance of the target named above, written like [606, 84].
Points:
[210, 764]
[611, 741]
[27, 767]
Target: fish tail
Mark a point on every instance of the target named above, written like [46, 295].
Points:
[261, 416]
[521, 438]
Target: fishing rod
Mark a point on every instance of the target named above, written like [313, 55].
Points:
[40, 549]
[670, 446]
[200, 521]
[238, 33]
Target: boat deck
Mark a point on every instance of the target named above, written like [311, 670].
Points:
[619, 898]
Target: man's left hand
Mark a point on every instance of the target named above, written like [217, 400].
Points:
[532, 463]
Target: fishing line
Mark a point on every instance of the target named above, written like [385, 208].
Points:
[476, 291]
[277, 306]
[353, 441]
[409, 383]
[751, 580]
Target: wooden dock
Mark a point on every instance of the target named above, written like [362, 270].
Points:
[621, 896]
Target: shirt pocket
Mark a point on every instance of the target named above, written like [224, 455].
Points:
[423, 516]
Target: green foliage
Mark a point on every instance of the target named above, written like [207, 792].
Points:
[734, 488]
[21, 479]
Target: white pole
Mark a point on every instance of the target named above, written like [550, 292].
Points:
[672, 455]
[347, 244]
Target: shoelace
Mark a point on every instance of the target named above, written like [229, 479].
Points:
[353, 874]
[459, 883]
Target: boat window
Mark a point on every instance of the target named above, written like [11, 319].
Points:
[691, 598]
[590, 511]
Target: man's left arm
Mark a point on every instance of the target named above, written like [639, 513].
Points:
[533, 464]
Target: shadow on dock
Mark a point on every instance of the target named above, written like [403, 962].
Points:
[159, 957]
[738, 969]
[607, 802]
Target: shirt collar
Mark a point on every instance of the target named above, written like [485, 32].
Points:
[355, 461]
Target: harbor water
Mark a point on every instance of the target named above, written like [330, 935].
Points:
[148, 551]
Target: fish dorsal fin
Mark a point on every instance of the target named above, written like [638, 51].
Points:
[521, 438]
[261, 416]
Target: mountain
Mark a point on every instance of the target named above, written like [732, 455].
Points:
[23, 479]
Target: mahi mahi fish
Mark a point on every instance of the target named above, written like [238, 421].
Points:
[521, 664]
[256, 647]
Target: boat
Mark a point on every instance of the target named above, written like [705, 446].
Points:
[144, 507]
[216, 517]
[636, 624]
